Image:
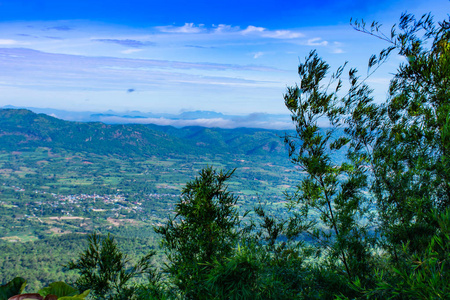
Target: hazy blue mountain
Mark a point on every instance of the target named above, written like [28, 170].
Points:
[199, 114]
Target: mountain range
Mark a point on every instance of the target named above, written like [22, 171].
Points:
[187, 118]
[22, 129]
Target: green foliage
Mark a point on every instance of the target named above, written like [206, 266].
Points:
[410, 154]
[203, 230]
[235, 277]
[63, 291]
[331, 192]
[56, 290]
[104, 269]
[423, 275]
[156, 289]
[14, 287]
[41, 262]
[398, 151]
[255, 273]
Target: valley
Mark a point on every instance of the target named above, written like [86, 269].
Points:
[44, 193]
[61, 180]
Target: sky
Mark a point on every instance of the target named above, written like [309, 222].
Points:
[232, 57]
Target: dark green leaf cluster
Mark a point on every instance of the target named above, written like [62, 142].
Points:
[104, 269]
[203, 230]
[14, 287]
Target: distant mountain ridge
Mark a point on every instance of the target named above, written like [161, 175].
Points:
[22, 129]
[183, 119]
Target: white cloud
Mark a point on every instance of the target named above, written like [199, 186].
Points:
[258, 54]
[253, 29]
[337, 51]
[274, 34]
[283, 34]
[317, 42]
[222, 28]
[106, 73]
[214, 122]
[130, 51]
[186, 28]
[337, 48]
[8, 42]
[191, 28]
[184, 60]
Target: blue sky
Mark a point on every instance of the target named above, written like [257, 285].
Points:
[234, 57]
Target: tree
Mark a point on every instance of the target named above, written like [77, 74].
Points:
[397, 151]
[411, 151]
[203, 230]
[329, 204]
[104, 269]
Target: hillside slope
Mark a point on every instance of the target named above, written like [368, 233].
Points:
[22, 129]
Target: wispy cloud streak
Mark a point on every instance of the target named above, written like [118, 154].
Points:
[126, 42]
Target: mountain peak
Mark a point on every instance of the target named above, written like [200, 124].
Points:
[200, 114]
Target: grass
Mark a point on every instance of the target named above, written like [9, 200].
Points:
[9, 205]
[20, 237]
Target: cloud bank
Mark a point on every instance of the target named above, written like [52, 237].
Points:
[248, 122]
